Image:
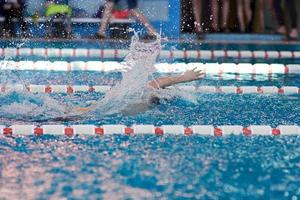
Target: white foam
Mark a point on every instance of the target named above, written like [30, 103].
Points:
[130, 91]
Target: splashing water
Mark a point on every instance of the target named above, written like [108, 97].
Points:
[130, 96]
[133, 90]
[140, 64]
[27, 106]
[133, 94]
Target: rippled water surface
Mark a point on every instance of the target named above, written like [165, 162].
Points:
[148, 166]
[153, 167]
[143, 167]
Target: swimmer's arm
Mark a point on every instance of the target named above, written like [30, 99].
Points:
[76, 110]
[189, 75]
[83, 110]
[162, 82]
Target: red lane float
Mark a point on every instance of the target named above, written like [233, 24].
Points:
[207, 130]
[69, 89]
[169, 54]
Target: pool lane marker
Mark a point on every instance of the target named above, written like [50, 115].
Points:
[165, 54]
[216, 69]
[205, 130]
[71, 89]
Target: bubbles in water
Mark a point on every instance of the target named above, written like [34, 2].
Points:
[131, 91]
[26, 106]
[130, 96]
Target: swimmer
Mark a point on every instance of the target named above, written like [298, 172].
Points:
[159, 83]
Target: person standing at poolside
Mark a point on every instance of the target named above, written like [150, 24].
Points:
[58, 9]
[290, 4]
[132, 6]
[222, 5]
[13, 9]
[197, 11]
[244, 13]
[214, 16]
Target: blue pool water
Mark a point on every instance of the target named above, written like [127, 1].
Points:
[216, 109]
[153, 167]
[150, 167]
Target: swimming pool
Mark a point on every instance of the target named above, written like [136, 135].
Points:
[249, 101]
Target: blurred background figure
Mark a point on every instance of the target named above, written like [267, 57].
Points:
[59, 14]
[216, 7]
[251, 15]
[198, 24]
[13, 11]
[282, 28]
[244, 13]
[260, 6]
[132, 11]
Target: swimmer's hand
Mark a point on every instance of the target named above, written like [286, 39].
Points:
[77, 110]
[81, 110]
[191, 75]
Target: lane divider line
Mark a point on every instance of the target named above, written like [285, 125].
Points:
[205, 130]
[70, 89]
[169, 54]
[113, 66]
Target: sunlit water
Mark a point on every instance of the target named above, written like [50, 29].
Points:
[130, 95]
[148, 167]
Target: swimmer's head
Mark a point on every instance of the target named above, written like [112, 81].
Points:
[154, 100]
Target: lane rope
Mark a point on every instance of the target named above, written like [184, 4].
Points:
[70, 89]
[113, 66]
[206, 130]
[165, 54]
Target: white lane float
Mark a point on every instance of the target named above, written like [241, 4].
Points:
[165, 54]
[113, 66]
[111, 129]
[70, 89]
